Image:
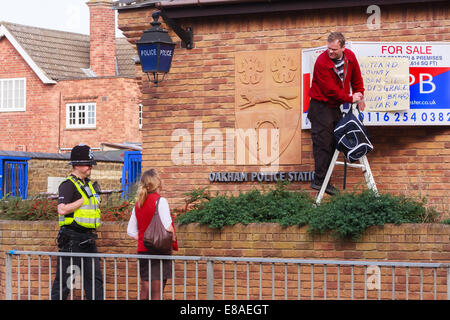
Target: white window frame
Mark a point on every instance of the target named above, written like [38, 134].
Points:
[10, 96]
[77, 113]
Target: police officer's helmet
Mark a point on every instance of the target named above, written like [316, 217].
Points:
[82, 155]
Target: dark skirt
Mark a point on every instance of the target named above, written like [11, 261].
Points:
[155, 268]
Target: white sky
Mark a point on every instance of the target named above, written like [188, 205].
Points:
[64, 15]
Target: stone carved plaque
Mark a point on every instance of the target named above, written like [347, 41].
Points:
[267, 96]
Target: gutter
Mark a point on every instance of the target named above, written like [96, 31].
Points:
[184, 3]
[303, 3]
[209, 8]
[203, 8]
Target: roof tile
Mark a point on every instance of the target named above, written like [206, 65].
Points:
[61, 55]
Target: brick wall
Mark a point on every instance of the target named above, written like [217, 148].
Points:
[117, 111]
[108, 174]
[413, 161]
[407, 242]
[29, 130]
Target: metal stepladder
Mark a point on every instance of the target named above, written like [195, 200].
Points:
[363, 165]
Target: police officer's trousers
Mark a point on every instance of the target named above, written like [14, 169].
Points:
[70, 271]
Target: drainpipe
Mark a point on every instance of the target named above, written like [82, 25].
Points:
[59, 122]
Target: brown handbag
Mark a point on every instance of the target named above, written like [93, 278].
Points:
[156, 238]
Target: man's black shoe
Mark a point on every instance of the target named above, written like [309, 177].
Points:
[331, 190]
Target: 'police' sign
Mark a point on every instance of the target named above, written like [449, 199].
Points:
[151, 61]
[165, 58]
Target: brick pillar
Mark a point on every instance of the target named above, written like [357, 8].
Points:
[102, 38]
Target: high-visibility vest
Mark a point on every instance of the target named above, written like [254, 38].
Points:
[88, 215]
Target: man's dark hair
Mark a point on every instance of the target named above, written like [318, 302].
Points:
[337, 36]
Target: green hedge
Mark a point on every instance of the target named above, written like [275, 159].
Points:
[113, 209]
[345, 215]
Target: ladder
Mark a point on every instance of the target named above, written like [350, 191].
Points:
[363, 165]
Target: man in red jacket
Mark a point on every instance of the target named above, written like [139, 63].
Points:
[336, 71]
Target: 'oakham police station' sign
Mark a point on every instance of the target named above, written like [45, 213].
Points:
[291, 176]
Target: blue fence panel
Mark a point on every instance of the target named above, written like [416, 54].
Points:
[131, 172]
[14, 177]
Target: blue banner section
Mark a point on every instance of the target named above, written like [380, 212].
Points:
[431, 92]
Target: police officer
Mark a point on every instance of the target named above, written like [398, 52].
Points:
[79, 216]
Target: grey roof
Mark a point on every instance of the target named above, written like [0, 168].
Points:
[101, 156]
[124, 55]
[63, 55]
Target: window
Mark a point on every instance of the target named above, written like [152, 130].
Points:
[140, 116]
[80, 115]
[12, 94]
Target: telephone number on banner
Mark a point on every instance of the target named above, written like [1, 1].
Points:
[410, 117]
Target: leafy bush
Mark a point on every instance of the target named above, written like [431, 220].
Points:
[36, 209]
[115, 208]
[346, 215]
[276, 205]
[12, 208]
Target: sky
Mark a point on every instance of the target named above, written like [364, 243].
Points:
[64, 15]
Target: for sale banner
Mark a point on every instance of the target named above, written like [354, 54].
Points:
[429, 82]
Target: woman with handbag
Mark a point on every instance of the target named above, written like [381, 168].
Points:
[151, 220]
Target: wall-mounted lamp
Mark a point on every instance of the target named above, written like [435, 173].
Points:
[155, 49]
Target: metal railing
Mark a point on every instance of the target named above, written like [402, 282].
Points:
[29, 274]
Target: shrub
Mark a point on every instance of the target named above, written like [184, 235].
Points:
[275, 205]
[115, 208]
[346, 215]
[35, 209]
[12, 208]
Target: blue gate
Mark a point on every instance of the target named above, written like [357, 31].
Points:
[131, 172]
[13, 177]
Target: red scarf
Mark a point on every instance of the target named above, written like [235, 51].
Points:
[144, 216]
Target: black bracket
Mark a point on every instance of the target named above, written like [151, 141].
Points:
[186, 35]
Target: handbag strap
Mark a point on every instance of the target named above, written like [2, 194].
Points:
[156, 207]
[350, 109]
[360, 115]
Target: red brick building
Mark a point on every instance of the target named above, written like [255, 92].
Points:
[201, 98]
[58, 89]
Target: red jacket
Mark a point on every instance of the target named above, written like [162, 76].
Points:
[328, 87]
[144, 216]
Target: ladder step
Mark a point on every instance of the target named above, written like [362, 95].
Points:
[352, 165]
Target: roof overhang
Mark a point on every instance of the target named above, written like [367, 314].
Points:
[209, 8]
[4, 32]
[120, 146]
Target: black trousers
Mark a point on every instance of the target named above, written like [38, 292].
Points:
[323, 121]
[69, 269]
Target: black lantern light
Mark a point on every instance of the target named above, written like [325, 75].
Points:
[155, 49]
